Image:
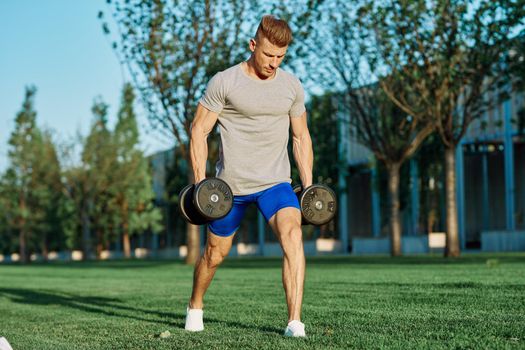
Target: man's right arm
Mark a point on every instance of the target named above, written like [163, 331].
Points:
[201, 127]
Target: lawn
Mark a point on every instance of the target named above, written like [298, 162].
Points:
[474, 302]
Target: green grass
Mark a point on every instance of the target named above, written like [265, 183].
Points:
[474, 302]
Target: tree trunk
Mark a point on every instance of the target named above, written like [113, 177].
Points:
[125, 230]
[394, 222]
[193, 243]
[45, 250]
[452, 245]
[85, 233]
[192, 235]
[22, 236]
[23, 246]
[100, 243]
[126, 243]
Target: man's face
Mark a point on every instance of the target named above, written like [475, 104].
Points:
[267, 57]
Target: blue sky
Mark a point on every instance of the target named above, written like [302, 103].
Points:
[58, 46]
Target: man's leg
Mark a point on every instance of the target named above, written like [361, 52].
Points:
[286, 224]
[217, 248]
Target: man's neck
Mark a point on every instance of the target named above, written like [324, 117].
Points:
[249, 69]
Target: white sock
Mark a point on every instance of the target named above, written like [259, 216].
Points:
[194, 320]
[295, 328]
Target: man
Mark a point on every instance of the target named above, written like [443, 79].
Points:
[255, 103]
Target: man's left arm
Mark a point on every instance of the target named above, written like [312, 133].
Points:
[302, 148]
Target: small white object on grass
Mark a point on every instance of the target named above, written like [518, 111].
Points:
[165, 334]
[4, 344]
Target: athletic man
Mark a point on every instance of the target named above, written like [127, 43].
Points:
[255, 103]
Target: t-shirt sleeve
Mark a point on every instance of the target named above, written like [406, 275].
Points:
[214, 98]
[298, 107]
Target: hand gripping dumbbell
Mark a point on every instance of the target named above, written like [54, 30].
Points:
[318, 204]
[210, 199]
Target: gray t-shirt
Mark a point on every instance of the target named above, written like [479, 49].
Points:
[254, 123]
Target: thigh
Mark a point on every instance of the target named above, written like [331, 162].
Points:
[285, 221]
[276, 198]
[222, 244]
[228, 225]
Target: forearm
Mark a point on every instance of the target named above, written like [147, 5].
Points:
[304, 157]
[198, 153]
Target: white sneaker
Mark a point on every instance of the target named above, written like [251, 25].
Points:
[295, 329]
[194, 321]
[4, 344]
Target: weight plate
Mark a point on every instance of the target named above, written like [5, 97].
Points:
[213, 198]
[318, 204]
[187, 209]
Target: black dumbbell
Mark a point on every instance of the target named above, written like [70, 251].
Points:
[318, 204]
[210, 199]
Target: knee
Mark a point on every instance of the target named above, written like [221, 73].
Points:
[213, 258]
[292, 238]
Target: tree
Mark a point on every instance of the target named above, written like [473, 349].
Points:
[99, 158]
[132, 191]
[23, 159]
[390, 133]
[48, 199]
[77, 191]
[8, 210]
[31, 186]
[439, 58]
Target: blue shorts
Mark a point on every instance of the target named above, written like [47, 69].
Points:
[269, 202]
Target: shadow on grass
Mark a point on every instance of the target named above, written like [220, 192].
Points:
[112, 307]
[109, 264]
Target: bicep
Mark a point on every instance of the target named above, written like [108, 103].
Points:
[204, 119]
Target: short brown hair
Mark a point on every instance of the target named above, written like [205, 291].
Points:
[276, 30]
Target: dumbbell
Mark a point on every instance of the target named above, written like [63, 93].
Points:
[210, 199]
[318, 204]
